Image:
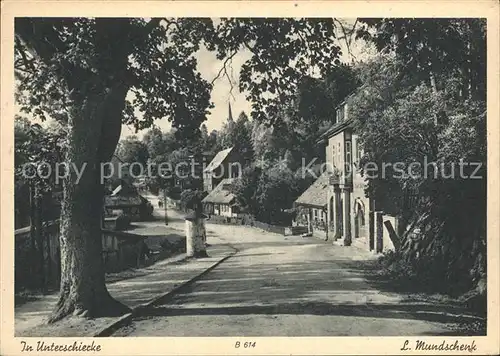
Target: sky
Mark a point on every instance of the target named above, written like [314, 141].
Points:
[209, 66]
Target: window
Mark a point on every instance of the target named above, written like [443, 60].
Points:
[338, 155]
[347, 155]
[358, 153]
[340, 113]
[345, 112]
[334, 158]
[235, 170]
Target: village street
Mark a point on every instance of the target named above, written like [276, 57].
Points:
[289, 286]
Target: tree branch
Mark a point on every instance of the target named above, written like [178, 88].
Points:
[36, 35]
[224, 68]
[27, 63]
[223, 71]
[347, 38]
[152, 24]
[155, 22]
[43, 41]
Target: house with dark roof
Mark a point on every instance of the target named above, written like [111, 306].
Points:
[122, 195]
[125, 199]
[312, 207]
[221, 201]
[227, 163]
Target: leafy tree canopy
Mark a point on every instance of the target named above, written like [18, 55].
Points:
[155, 61]
[37, 149]
[131, 150]
[437, 47]
[421, 107]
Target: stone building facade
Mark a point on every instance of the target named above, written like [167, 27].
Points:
[353, 218]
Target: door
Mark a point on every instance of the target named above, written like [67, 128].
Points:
[359, 222]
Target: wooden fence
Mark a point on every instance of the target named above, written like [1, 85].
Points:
[245, 219]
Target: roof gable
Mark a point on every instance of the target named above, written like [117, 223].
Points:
[221, 193]
[115, 158]
[336, 128]
[218, 159]
[317, 194]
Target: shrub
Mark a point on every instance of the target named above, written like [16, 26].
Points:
[174, 193]
[189, 198]
[166, 245]
[122, 221]
[176, 246]
[146, 210]
[402, 121]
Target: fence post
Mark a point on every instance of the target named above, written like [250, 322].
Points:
[371, 225]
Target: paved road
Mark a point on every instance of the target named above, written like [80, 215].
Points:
[289, 287]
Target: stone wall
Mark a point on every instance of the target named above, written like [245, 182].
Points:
[387, 241]
[296, 230]
[121, 251]
[26, 260]
[270, 228]
[383, 241]
[245, 219]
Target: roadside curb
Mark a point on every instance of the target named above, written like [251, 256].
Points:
[125, 319]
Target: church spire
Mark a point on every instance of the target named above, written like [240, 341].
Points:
[230, 117]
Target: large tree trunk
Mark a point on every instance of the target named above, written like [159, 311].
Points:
[39, 233]
[83, 289]
[97, 102]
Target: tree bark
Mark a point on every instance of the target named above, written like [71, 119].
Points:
[83, 290]
[46, 226]
[39, 237]
[98, 99]
[33, 267]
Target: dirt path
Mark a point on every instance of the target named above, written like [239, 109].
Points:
[293, 287]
